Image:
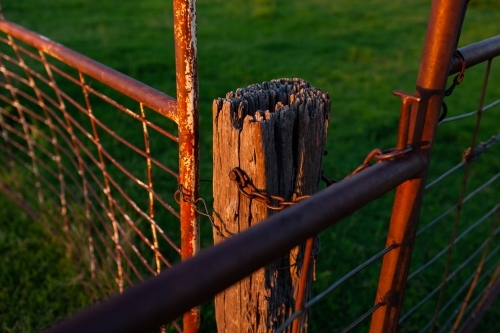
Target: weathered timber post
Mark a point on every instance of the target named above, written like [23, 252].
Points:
[275, 134]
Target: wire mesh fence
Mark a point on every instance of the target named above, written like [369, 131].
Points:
[98, 163]
[468, 259]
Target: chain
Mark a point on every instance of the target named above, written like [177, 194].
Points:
[249, 190]
[325, 179]
[379, 155]
[366, 163]
[246, 187]
[444, 112]
[375, 156]
[273, 202]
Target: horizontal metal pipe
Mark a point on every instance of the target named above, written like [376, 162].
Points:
[476, 53]
[136, 90]
[165, 297]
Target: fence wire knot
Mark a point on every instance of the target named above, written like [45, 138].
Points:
[460, 76]
[456, 81]
[249, 190]
[471, 154]
[182, 195]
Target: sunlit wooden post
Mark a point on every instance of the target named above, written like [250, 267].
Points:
[274, 134]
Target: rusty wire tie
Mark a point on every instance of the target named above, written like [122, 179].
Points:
[471, 154]
[456, 81]
[180, 194]
[460, 76]
[249, 190]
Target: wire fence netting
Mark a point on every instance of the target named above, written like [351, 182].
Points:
[456, 256]
[467, 226]
[97, 166]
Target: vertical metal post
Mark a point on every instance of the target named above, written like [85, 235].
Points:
[442, 32]
[187, 119]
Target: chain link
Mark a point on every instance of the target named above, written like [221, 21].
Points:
[249, 190]
[246, 187]
[274, 202]
[326, 180]
[379, 155]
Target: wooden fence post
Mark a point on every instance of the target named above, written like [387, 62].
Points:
[275, 134]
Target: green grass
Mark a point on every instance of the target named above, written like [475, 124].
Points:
[39, 283]
[358, 51]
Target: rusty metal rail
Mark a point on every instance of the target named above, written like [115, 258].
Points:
[142, 93]
[150, 304]
[477, 53]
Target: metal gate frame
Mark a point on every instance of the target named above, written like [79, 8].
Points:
[183, 111]
[422, 110]
[186, 68]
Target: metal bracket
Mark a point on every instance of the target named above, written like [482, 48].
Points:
[407, 101]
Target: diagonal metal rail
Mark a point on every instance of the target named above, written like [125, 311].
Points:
[153, 303]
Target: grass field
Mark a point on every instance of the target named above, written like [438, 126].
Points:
[39, 283]
[358, 51]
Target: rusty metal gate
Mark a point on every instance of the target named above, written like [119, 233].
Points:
[404, 168]
[61, 162]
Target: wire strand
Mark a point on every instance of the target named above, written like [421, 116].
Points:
[335, 285]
